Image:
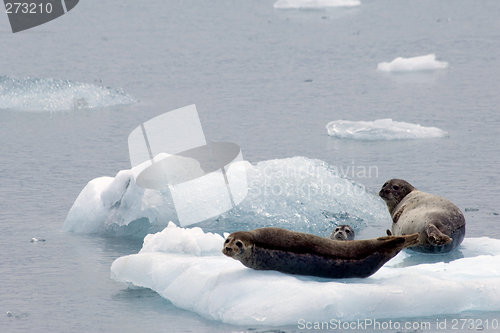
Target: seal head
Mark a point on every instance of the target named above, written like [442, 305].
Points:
[394, 191]
[238, 245]
[343, 232]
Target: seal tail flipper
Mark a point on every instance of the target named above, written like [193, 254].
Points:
[411, 240]
[403, 241]
[436, 237]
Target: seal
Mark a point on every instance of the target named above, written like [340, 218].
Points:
[305, 254]
[439, 222]
[343, 232]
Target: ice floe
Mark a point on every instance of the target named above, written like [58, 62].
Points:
[421, 63]
[296, 193]
[296, 4]
[186, 267]
[43, 94]
[381, 129]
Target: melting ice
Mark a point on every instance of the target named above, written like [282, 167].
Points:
[421, 63]
[289, 4]
[296, 193]
[381, 129]
[55, 94]
[186, 266]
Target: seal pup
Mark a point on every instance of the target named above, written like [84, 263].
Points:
[343, 232]
[305, 254]
[439, 222]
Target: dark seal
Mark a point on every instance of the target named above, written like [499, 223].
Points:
[304, 254]
[439, 222]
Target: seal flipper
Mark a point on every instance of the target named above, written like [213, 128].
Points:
[399, 242]
[436, 237]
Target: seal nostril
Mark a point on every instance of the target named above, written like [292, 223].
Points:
[228, 249]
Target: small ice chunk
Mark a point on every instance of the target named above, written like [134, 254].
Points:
[381, 129]
[34, 240]
[421, 63]
[295, 4]
[179, 240]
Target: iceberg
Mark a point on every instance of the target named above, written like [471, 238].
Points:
[296, 193]
[186, 267]
[56, 94]
[381, 129]
[421, 63]
[116, 206]
[295, 4]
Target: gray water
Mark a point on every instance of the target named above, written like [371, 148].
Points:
[269, 80]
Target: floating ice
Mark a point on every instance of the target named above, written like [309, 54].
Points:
[55, 94]
[381, 129]
[291, 4]
[184, 266]
[180, 240]
[296, 193]
[34, 240]
[421, 63]
[116, 206]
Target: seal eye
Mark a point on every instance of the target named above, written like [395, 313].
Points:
[395, 187]
[347, 231]
[337, 229]
[227, 241]
[239, 244]
[384, 185]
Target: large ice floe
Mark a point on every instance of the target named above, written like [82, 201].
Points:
[43, 94]
[296, 193]
[421, 63]
[296, 4]
[186, 267]
[381, 129]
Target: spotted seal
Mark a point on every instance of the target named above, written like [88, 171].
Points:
[439, 222]
[343, 232]
[305, 254]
